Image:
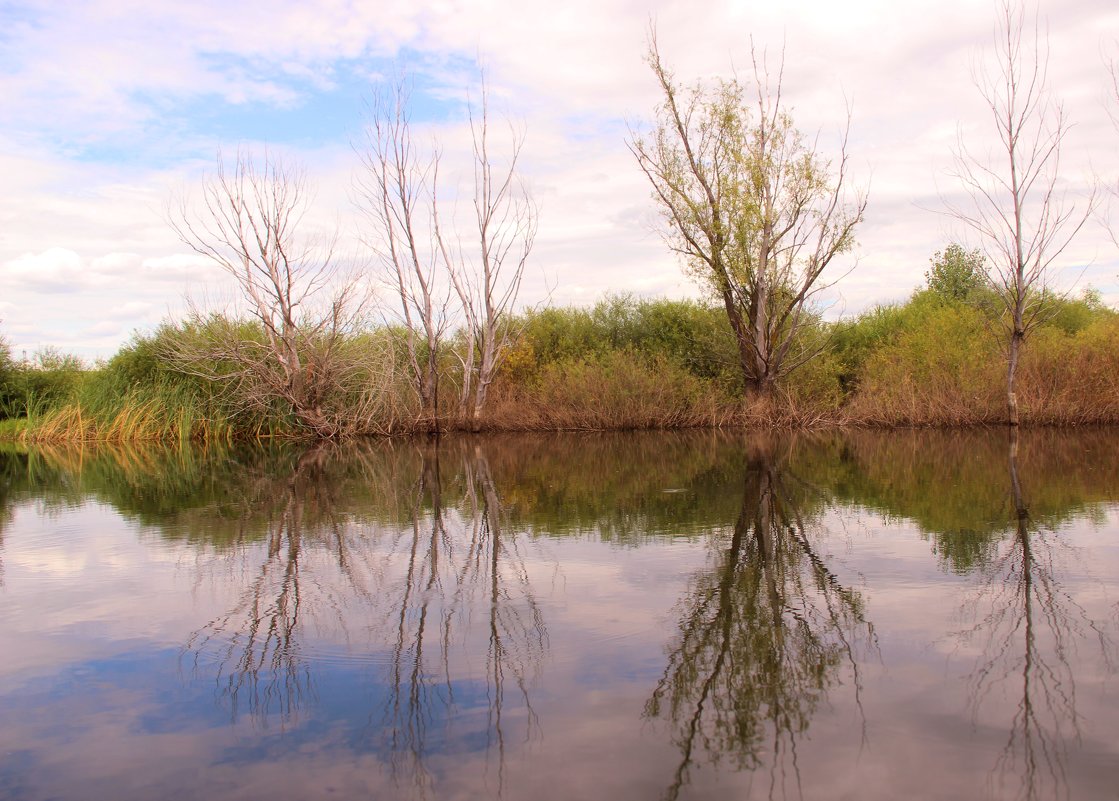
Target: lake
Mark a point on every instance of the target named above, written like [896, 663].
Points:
[693, 615]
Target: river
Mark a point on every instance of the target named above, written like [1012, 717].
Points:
[688, 615]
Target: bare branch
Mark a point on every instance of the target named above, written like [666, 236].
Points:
[1113, 187]
[1016, 207]
[424, 253]
[295, 350]
[488, 285]
[396, 193]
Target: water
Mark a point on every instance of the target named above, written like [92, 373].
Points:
[703, 615]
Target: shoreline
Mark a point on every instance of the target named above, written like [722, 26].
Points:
[20, 435]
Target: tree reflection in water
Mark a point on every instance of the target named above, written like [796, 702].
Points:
[444, 586]
[1030, 626]
[257, 643]
[479, 572]
[762, 636]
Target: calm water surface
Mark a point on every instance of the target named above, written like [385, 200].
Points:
[661, 616]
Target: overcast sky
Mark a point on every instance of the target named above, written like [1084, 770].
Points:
[110, 107]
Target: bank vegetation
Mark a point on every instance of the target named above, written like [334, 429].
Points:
[626, 363]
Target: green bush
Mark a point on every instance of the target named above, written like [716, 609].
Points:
[691, 335]
[47, 382]
[8, 386]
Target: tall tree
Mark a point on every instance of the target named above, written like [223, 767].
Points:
[396, 193]
[1016, 207]
[753, 207]
[432, 258]
[488, 278]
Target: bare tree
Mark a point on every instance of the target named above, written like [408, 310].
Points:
[1113, 71]
[429, 257]
[297, 353]
[1030, 625]
[396, 192]
[488, 279]
[1017, 207]
[752, 207]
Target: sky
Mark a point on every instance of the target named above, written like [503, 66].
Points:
[113, 108]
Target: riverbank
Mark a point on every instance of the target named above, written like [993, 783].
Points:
[70, 424]
[624, 364]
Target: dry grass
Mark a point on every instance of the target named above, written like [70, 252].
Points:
[147, 421]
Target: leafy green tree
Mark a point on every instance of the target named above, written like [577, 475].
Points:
[956, 274]
[753, 207]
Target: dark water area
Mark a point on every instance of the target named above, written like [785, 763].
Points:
[628, 616]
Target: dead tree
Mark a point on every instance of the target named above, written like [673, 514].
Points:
[487, 276]
[1113, 69]
[396, 193]
[297, 352]
[430, 259]
[1017, 208]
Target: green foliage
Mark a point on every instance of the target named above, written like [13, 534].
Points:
[937, 359]
[620, 389]
[940, 365]
[751, 204]
[140, 363]
[1073, 315]
[854, 341]
[691, 335]
[818, 384]
[48, 381]
[623, 363]
[956, 274]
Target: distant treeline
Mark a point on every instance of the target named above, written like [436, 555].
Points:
[625, 363]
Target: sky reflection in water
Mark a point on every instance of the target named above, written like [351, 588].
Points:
[624, 616]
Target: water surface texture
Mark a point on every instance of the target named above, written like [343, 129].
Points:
[626, 616]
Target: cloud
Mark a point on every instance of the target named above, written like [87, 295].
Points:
[130, 310]
[113, 264]
[107, 328]
[53, 270]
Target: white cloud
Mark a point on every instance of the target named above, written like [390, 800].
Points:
[53, 270]
[130, 310]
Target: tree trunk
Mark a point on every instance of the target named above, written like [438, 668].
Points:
[1011, 374]
[467, 391]
[758, 311]
[741, 336]
[479, 404]
[762, 387]
[429, 395]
